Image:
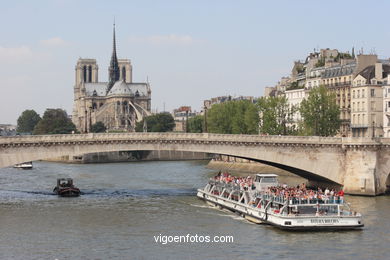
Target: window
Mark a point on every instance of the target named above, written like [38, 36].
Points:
[363, 93]
[388, 104]
[353, 106]
[363, 106]
[354, 119]
[84, 73]
[358, 106]
[358, 94]
[372, 92]
[353, 94]
[89, 73]
[124, 73]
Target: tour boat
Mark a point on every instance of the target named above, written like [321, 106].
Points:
[24, 166]
[65, 188]
[257, 204]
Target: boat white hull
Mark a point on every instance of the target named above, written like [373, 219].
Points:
[24, 166]
[260, 215]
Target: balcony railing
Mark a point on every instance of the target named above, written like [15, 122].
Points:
[359, 126]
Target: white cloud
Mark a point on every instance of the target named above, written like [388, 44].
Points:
[15, 54]
[170, 39]
[54, 42]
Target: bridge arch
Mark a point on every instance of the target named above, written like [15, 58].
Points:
[303, 156]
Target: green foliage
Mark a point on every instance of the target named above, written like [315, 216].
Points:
[276, 116]
[27, 121]
[54, 121]
[161, 122]
[294, 85]
[98, 127]
[320, 63]
[321, 114]
[342, 55]
[195, 124]
[300, 68]
[234, 117]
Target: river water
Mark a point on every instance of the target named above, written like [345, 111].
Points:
[127, 205]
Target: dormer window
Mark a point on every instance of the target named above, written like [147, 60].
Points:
[94, 93]
[137, 93]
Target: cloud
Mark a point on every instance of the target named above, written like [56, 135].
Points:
[170, 39]
[15, 54]
[54, 42]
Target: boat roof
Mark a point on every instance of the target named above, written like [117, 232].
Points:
[266, 175]
[64, 179]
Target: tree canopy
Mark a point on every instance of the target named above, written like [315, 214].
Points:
[98, 127]
[233, 117]
[54, 121]
[276, 116]
[195, 124]
[321, 114]
[27, 121]
[161, 122]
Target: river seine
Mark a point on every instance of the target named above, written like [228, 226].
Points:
[127, 206]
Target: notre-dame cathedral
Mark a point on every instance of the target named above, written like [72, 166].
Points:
[119, 103]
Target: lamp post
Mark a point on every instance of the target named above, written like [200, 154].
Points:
[186, 121]
[145, 126]
[205, 119]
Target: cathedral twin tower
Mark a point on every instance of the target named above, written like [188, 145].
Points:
[118, 103]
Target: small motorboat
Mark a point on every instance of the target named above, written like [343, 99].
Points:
[65, 188]
[24, 166]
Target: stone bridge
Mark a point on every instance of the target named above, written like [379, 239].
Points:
[362, 166]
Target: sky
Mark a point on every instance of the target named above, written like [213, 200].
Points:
[188, 50]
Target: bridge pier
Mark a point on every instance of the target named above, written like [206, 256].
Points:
[367, 169]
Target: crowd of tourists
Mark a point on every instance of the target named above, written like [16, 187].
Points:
[242, 182]
[300, 192]
[295, 193]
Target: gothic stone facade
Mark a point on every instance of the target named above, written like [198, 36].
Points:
[119, 103]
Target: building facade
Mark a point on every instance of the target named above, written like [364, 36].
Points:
[386, 108]
[181, 116]
[368, 108]
[118, 103]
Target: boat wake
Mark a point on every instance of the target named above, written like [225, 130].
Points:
[139, 193]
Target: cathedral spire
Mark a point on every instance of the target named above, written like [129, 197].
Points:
[113, 70]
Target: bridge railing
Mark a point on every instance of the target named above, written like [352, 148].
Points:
[226, 138]
[174, 136]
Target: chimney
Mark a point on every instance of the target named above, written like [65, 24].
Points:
[378, 71]
[364, 60]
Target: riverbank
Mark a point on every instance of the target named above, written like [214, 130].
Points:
[246, 167]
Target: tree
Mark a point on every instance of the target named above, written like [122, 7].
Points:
[233, 117]
[98, 127]
[27, 121]
[161, 122]
[276, 116]
[195, 124]
[321, 114]
[54, 121]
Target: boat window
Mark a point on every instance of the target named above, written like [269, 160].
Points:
[269, 180]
